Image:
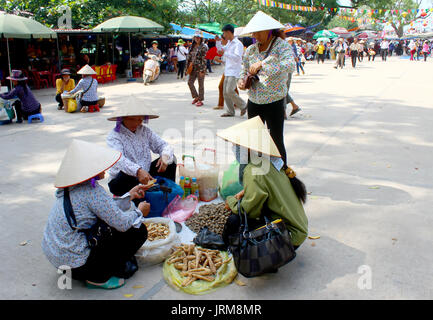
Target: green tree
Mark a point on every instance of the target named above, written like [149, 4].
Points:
[385, 10]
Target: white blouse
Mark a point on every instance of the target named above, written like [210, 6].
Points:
[136, 148]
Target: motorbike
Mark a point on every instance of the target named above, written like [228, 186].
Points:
[151, 69]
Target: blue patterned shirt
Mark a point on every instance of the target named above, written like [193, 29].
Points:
[64, 246]
[83, 84]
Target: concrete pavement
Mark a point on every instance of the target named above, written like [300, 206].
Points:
[362, 145]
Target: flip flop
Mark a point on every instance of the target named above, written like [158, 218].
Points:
[112, 283]
[199, 104]
[226, 115]
[295, 112]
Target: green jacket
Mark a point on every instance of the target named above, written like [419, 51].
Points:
[274, 189]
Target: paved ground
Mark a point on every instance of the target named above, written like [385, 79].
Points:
[363, 146]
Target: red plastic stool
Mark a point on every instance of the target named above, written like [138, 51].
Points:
[94, 108]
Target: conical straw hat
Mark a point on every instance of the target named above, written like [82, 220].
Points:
[133, 106]
[83, 161]
[251, 134]
[86, 70]
[260, 22]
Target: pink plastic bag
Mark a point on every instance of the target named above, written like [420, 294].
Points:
[180, 210]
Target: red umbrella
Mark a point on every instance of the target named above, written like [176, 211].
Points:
[342, 32]
[367, 35]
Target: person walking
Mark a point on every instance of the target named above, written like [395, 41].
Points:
[181, 53]
[426, 50]
[341, 50]
[354, 47]
[197, 62]
[232, 53]
[361, 51]
[413, 49]
[384, 47]
[320, 51]
[268, 61]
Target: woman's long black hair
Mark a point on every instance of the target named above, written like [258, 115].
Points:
[300, 189]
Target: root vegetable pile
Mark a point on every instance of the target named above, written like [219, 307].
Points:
[213, 216]
[157, 231]
[195, 263]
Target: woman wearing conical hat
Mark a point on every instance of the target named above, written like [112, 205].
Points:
[266, 96]
[270, 187]
[89, 86]
[136, 141]
[81, 203]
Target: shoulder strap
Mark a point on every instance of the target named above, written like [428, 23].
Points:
[69, 212]
[89, 86]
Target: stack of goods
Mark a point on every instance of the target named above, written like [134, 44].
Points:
[196, 270]
[213, 216]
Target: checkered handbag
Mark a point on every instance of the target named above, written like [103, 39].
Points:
[262, 250]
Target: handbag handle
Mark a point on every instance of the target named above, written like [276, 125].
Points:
[241, 212]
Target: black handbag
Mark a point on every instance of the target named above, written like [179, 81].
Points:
[262, 250]
[97, 235]
[250, 79]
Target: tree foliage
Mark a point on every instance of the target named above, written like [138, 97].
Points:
[385, 10]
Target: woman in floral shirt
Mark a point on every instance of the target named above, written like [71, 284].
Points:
[197, 57]
[64, 242]
[267, 94]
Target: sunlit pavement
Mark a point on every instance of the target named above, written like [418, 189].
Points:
[362, 145]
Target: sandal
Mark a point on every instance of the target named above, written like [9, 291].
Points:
[83, 110]
[112, 283]
[295, 112]
[199, 104]
[226, 115]
[194, 101]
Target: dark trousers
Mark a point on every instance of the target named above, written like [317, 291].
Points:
[272, 114]
[321, 57]
[233, 224]
[59, 99]
[24, 114]
[384, 53]
[110, 259]
[181, 68]
[354, 56]
[123, 183]
[208, 65]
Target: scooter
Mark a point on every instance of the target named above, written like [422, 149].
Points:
[151, 70]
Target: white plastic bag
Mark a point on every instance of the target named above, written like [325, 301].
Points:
[154, 252]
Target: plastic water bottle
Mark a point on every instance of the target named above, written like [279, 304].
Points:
[182, 185]
[194, 187]
[187, 187]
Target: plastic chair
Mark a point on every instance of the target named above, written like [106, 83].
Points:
[109, 73]
[38, 81]
[54, 74]
[113, 71]
[105, 73]
[94, 108]
[36, 116]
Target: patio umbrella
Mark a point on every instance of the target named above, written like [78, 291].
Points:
[325, 34]
[325, 40]
[342, 32]
[12, 26]
[128, 24]
[293, 30]
[367, 35]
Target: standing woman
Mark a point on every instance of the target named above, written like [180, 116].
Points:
[266, 96]
[426, 50]
[26, 105]
[181, 53]
[173, 57]
[197, 58]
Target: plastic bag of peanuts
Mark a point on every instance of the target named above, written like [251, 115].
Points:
[161, 239]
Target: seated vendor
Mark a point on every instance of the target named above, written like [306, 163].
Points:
[65, 83]
[270, 188]
[81, 203]
[26, 105]
[136, 141]
[89, 86]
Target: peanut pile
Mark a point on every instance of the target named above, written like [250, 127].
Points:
[157, 231]
[196, 263]
[213, 216]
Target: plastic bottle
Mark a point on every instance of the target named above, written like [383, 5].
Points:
[194, 187]
[182, 185]
[187, 187]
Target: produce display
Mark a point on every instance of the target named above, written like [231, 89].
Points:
[157, 231]
[196, 270]
[213, 216]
